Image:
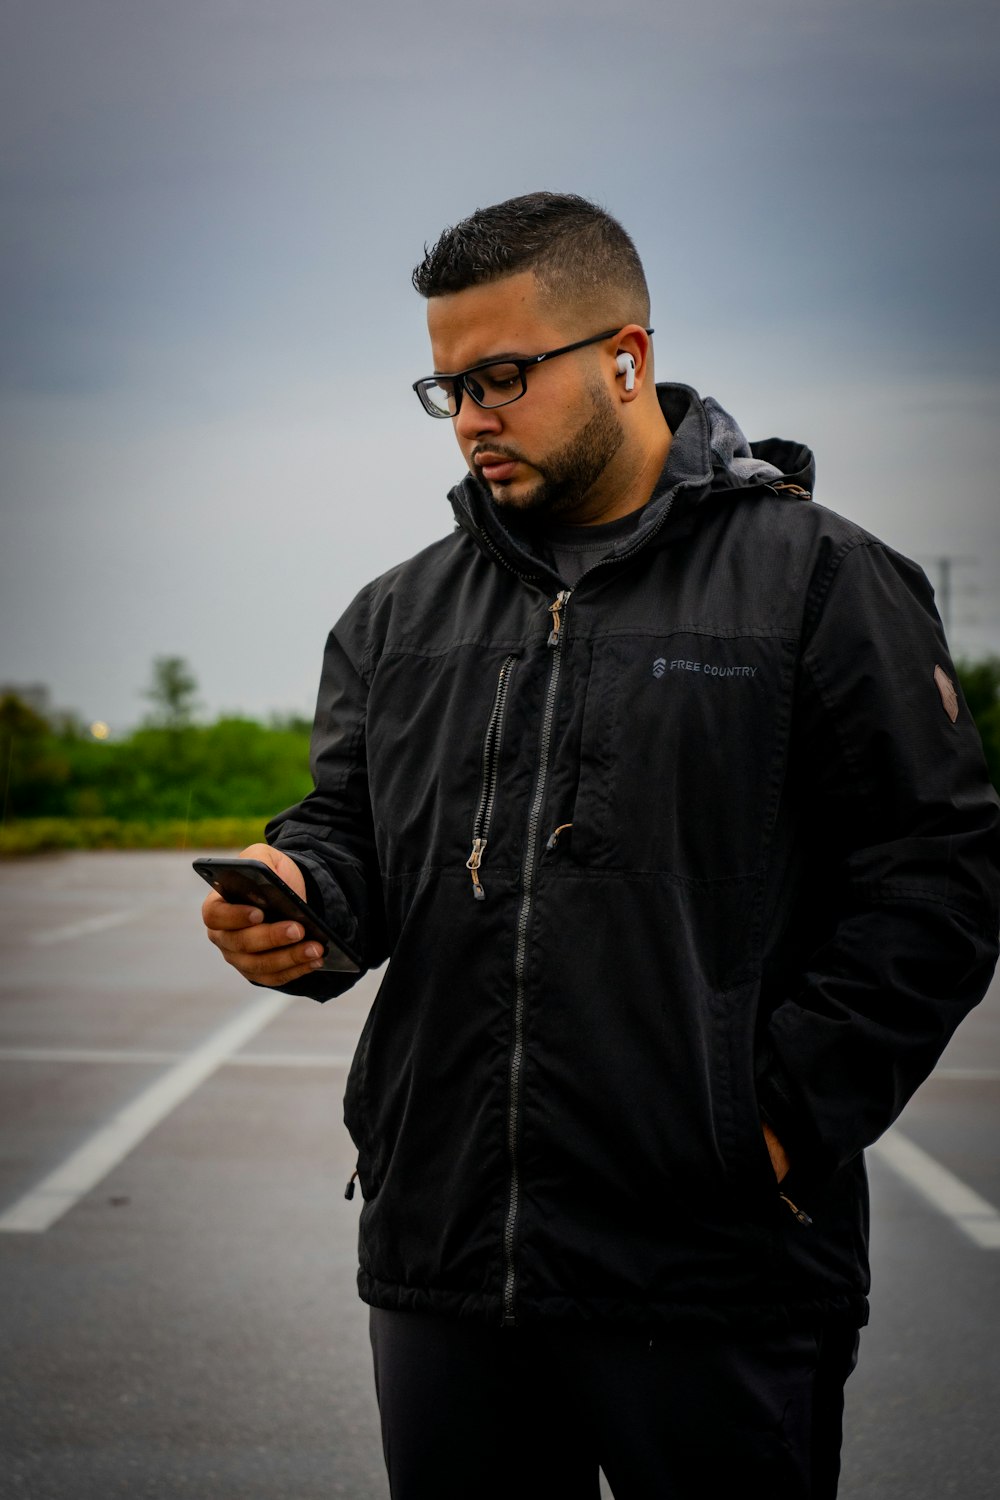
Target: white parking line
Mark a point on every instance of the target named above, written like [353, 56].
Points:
[80, 929]
[289, 1060]
[39, 1208]
[87, 1055]
[114, 1055]
[968, 1075]
[976, 1218]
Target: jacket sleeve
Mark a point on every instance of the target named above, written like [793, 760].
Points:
[330, 834]
[888, 749]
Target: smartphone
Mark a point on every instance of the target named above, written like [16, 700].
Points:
[250, 882]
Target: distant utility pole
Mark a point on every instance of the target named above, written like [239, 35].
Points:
[944, 590]
[944, 566]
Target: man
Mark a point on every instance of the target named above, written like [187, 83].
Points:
[653, 783]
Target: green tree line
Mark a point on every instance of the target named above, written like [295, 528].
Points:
[165, 781]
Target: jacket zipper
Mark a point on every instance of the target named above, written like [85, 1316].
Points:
[795, 1211]
[488, 786]
[555, 610]
[555, 642]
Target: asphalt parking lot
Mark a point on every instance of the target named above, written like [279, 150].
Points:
[179, 1308]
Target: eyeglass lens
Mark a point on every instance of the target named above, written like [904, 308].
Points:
[493, 386]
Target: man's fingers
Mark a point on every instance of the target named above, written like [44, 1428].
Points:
[279, 962]
[269, 953]
[216, 913]
[268, 959]
[260, 938]
[275, 965]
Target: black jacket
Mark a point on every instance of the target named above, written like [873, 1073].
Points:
[707, 842]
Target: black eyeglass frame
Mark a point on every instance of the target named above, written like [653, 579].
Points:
[521, 364]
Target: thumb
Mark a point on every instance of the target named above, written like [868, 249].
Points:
[282, 865]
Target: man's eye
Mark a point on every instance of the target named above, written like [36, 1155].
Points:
[501, 377]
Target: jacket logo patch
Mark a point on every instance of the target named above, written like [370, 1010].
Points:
[946, 688]
[706, 668]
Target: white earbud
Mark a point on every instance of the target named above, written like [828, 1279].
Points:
[626, 367]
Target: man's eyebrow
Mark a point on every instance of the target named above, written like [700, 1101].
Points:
[491, 359]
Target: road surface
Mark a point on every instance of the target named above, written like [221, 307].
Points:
[177, 1257]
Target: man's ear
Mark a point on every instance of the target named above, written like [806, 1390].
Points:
[633, 359]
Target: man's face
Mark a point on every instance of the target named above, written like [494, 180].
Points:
[547, 450]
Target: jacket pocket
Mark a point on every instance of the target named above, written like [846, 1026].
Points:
[681, 747]
[738, 1124]
[357, 1114]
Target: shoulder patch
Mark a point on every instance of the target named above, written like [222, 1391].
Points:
[946, 688]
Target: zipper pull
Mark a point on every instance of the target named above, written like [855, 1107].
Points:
[553, 837]
[793, 489]
[349, 1189]
[473, 862]
[555, 610]
[798, 1213]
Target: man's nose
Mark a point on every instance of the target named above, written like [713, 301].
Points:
[475, 421]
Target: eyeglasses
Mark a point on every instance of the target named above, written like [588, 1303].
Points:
[495, 383]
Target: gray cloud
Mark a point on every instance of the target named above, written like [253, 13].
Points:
[211, 211]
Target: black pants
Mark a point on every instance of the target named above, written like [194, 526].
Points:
[471, 1412]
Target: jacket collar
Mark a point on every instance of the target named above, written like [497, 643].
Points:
[708, 453]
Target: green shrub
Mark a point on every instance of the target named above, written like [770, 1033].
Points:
[981, 685]
[232, 768]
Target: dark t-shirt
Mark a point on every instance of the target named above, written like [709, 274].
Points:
[574, 549]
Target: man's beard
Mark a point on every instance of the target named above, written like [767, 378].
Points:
[569, 473]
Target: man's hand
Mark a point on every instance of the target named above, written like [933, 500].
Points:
[776, 1151]
[269, 953]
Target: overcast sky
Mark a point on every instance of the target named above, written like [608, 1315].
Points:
[210, 213]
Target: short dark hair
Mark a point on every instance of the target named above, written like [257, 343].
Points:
[577, 251]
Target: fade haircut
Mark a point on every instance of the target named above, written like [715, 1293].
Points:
[578, 253]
